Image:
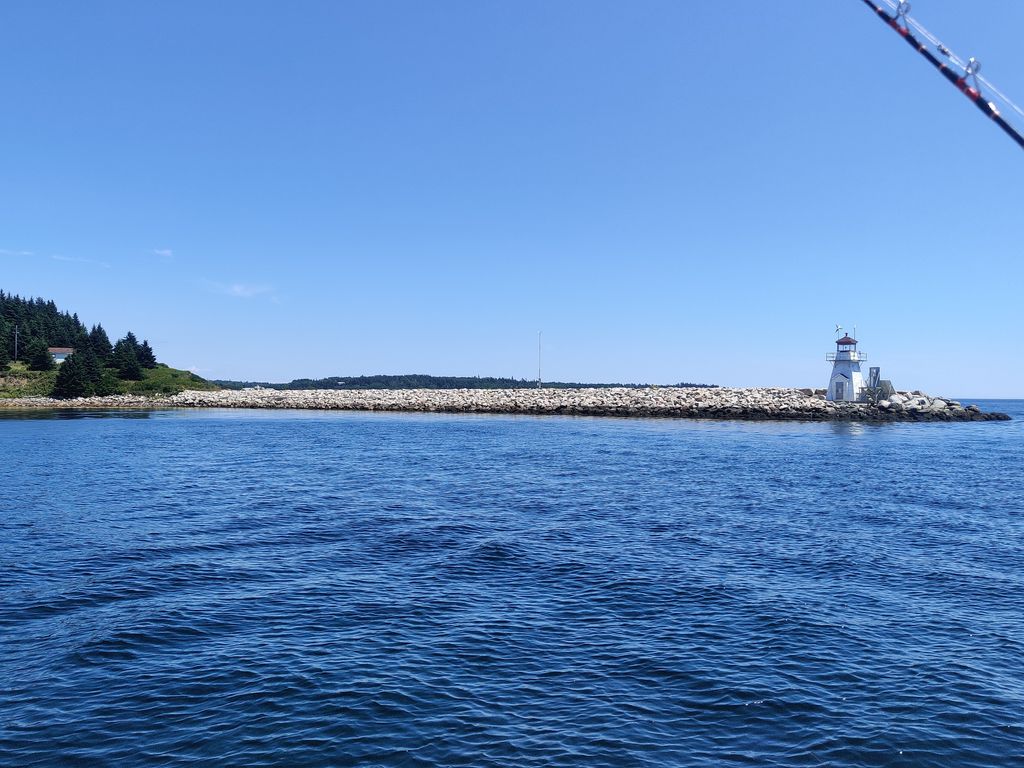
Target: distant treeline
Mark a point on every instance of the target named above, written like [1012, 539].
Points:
[423, 381]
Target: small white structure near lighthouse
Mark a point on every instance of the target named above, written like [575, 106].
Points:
[847, 382]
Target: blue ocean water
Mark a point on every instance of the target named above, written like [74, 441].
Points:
[309, 588]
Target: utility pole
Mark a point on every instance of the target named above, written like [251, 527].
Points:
[538, 358]
[15, 343]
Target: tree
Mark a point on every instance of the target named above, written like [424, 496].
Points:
[72, 378]
[100, 343]
[90, 366]
[6, 337]
[147, 359]
[41, 320]
[5, 357]
[126, 361]
[87, 378]
[38, 355]
[36, 318]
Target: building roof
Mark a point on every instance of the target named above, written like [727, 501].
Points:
[60, 350]
[846, 340]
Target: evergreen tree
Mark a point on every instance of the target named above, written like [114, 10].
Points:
[38, 356]
[91, 367]
[42, 321]
[100, 380]
[6, 337]
[5, 357]
[96, 379]
[36, 318]
[72, 379]
[147, 359]
[100, 343]
[126, 361]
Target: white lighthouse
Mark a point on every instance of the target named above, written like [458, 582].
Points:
[847, 382]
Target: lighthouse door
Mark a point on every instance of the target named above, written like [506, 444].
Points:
[839, 390]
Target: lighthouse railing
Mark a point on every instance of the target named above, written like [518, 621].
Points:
[853, 357]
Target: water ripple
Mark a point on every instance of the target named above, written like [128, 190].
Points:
[338, 589]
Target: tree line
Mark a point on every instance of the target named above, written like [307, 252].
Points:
[29, 327]
[425, 381]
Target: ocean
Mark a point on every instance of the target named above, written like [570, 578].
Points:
[279, 588]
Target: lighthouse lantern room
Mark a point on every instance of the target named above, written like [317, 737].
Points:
[847, 382]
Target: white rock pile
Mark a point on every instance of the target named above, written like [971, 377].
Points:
[105, 402]
[679, 402]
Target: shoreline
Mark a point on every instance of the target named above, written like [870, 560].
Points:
[747, 404]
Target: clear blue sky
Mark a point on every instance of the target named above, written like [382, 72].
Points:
[671, 191]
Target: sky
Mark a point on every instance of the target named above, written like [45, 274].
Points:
[669, 191]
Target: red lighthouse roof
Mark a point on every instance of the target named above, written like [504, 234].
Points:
[846, 340]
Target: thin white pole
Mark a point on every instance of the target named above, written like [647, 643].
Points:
[538, 358]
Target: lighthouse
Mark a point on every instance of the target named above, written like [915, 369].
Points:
[847, 382]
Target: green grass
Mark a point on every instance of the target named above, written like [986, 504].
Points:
[19, 381]
[162, 380]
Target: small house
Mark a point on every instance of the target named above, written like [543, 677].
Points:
[60, 353]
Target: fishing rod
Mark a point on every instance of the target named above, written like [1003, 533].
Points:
[962, 75]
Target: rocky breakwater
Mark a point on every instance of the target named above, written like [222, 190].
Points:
[678, 402]
[106, 402]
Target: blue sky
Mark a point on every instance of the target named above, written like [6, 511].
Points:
[671, 191]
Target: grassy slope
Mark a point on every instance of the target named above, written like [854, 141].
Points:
[21, 382]
[163, 380]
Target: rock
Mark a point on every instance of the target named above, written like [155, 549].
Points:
[755, 403]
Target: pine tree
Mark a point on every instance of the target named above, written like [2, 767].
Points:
[91, 368]
[6, 336]
[5, 357]
[41, 320]
[147, 359]
[100, 343]
[72, 379]
[101, 381]
[38, 355]
[126, 361]
[36, 318]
